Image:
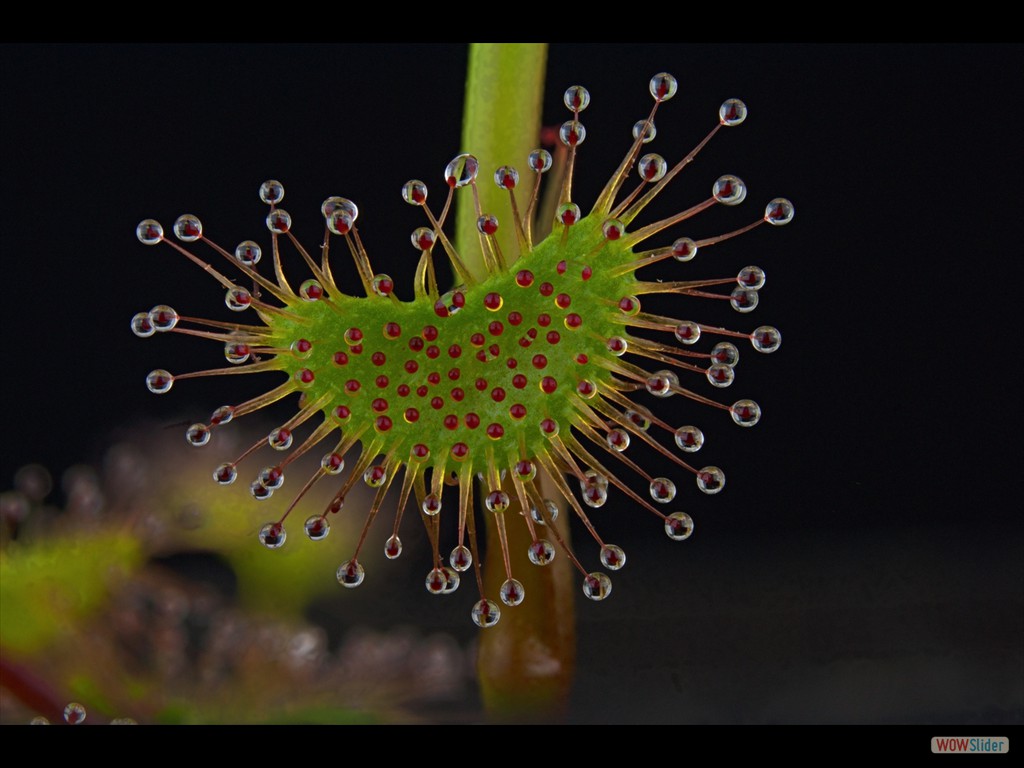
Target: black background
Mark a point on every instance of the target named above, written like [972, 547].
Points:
[864, 562]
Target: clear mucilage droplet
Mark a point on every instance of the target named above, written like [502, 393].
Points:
[678, 526]
[351, 574]
[486, 614]
[272, 536]
[597, 586]
[462, 170]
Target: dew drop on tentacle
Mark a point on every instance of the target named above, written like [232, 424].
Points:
[663, 86]
[652, 167]
[197, 435]
[159, 381]
[393, 547]
[766, 339]
[142, 326]
[248, 253]
[271, 192]
[646, 129]
[597, 586]
[711, 480]
[752, 278]
[725, 353]
[678, 526]
[746, 413]
[541, 552]
[272, 535]
[461, 170]
[225, 474]
[436, 581]
[351, 574]
[687, 332]
[149, 232]
[74, 713]
[512, 592]
[486, 613]
[188, 228]
[279, 221]
[317, 528]
[540, 160]
[729, 190]
[689, 439]
[163, 318]
[612, 557]
[461, 558]
[778, 212]
[576, 98]
[732, 112]
[720, 375]
[663, 490]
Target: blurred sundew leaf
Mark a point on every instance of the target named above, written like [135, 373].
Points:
[47, 587]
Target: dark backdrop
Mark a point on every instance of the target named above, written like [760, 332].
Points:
[864, 562]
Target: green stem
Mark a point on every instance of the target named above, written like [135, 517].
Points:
[526, 662]
[500, 126]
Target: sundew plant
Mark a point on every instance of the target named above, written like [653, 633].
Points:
[527, 367]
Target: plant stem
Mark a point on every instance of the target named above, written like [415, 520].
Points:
[527, 660]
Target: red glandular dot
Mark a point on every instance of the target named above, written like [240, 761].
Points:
[511, 362]
[378, 358]
[342, 412]
[515, 318]
[381, 381]
[403, 390]
[480, 384]
[477, 339]
[548, 384]
[429, 332]
[336, 505]
[493, 301]
[458, 395]
[561, 267]
[495, 431]
[585, 388]
[420, 451]
[460, 451]
[440, 309]
[379, 404]
[524, 278]
[586, 273]
[582, 359]
[356, 349]
[302, 346]
[573, 321]
[454, 350]
[340, 358]
[392, 330]
[415, 343]
[383, 423]
[532, 333]
[540, 362]
[544, 319]
[434, 378]
[472, 420]
[437, 403]
[546, 289]
[412, 415]
[458, 300]
[497, 394]
[563, 300]
[451, 421]
[352, 385]
[517, 411]
[495, 328]
[306, 376]
[411, 366]
[549, 426]
[421, 390]
[554, 337]
[519, 381]
[525, 342]
[353, 336]
[433, 352]
[481, 356]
